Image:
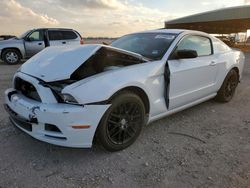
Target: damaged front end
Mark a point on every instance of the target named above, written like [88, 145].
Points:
[39, 105]
[104, 59]
[57, 87]
[33, 108]
[76, 63]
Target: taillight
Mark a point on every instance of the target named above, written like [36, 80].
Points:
[81, 41]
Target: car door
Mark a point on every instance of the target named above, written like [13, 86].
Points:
[56, 38]
[70, 37]
[194, 78]
[34, 42]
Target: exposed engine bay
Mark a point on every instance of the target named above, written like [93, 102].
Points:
[105, 59]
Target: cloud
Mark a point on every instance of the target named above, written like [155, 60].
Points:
[94, 4]
[246, 1]
[205, 3]
[111, 18]
[11, 11]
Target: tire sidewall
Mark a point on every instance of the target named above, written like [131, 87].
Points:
[221, 94]
[102, 135]
[14, 51]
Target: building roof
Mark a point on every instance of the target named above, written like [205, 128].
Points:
[221, 21]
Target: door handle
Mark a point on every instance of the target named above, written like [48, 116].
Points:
[213, 63]
[39, 43]
[64, 42]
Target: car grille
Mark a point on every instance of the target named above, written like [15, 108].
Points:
[16, 119]
[23, 124]
[27, 89]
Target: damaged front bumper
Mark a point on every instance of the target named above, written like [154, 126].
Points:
[54, 123]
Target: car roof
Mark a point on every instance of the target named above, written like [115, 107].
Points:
[173, 31]
[54, 29]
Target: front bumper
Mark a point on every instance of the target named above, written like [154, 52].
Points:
[32, 117]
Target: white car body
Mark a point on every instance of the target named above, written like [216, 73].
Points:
[192, 81]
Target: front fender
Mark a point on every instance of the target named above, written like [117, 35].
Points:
[103, 94]
[12, 44]
[102, 86]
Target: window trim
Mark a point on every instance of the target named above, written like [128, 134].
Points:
[188, 35]
[31, 32]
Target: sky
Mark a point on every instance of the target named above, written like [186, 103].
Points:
[100, 18]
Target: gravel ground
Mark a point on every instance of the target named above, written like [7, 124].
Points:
[220, 157]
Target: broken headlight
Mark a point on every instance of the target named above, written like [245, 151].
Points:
[67, 98]
[57, 87]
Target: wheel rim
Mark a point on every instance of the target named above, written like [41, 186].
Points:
[230, 87]
[124, 122]
[11, 57]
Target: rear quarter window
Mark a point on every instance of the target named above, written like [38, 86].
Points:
[220, 47]
[69, 35]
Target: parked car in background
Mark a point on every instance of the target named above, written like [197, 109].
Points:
[248, 41]
[230, 41]
[67, 97]
[33, 41]
[6, 37]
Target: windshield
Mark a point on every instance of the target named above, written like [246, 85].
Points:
[149, 45]
[24, 34]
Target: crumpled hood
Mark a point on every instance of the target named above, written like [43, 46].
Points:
[58, 63]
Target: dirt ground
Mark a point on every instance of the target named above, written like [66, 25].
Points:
[219, 157]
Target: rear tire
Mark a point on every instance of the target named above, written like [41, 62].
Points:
[11, 56]
[227, 90]
[122, 123]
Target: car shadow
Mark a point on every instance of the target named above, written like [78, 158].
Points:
[25, 141]
[22, 62]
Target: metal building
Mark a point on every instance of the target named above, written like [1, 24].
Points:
[222, 21]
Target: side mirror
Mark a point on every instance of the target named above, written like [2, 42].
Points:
[105, 43]
[28, 39]
[186, 54]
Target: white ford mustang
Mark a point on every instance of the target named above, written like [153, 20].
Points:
[66, 96]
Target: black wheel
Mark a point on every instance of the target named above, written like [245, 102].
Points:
[122, 123]
[228, 87]
[11, 56]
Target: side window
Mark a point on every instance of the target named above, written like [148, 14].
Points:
[220, 46]
[55, 35]
[69, 35]
[202, 45]
[36, 36]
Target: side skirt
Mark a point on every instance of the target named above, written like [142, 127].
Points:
[154, 118]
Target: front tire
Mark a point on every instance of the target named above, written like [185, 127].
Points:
[122, 123]
[227, 90]
[11, 56]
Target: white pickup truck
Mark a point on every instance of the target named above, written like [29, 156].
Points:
[33, 41]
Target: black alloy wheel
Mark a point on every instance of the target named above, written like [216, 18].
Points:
[122, 123]
[227, 90]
